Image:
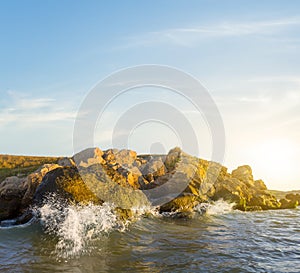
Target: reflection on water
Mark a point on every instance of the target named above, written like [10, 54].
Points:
[233, 242]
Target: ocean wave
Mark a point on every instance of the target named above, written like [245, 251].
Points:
[12, 223]
[77, 226]
[215, 208]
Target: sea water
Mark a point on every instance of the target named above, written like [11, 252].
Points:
[70, 238]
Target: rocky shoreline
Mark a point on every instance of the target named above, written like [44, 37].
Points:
[176, 182]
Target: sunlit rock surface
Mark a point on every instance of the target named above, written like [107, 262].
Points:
[176, 182]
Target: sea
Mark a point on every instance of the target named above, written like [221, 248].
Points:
[216, 238]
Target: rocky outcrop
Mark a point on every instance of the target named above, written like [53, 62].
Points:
[176, 182]
[293, 197]
[248, 194]
[33, 181]
[88, 157]
[289, 204]
[16, 193]
[12, 190]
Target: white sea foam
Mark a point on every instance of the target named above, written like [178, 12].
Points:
[77, 226]
[215, 208]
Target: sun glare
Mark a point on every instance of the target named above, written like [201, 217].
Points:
[275, 161]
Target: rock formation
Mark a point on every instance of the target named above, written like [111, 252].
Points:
[16, 193]
[176, 182]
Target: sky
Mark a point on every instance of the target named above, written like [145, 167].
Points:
[246, 53]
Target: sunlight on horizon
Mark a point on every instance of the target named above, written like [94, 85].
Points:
[276, 162]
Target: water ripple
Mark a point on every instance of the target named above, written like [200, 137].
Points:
[266, 241]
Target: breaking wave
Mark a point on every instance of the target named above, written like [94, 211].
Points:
[215, 208]
[77, 226]
[76, 229]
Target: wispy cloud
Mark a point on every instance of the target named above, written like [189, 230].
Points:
[23, 109]
[281, 79]
[191, 35]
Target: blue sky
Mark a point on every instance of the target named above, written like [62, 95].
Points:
[245, 52]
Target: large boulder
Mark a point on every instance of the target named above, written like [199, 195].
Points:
[188, 181]
[244, 174]
[182, 204]
[117, 164]
[88, 157]
[288, 204]
[125, 157]
[264, 200]
[16, 193]
[67, 183]
[246, 196]
[33, 181]
[12, 190]
[66, 162]
[172, 158]
[121, 157]
[293, 197]
[154, 169]
[90, 185]
[231, 190]
[260, 185]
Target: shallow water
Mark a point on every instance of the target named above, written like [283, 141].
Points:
[222, 241]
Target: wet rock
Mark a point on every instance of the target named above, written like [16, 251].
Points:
[265, 201]
[185, 203]
[231, 190]
[176, 182]
[293, 197]
[24, 218]
[12, 190]
[253, 208]
[288, 204]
